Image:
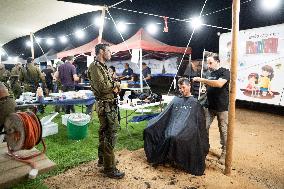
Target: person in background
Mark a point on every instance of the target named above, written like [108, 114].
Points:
[17, 69]
[67, 76]
[127, 72]
[4, 74]
[146, 72]
[48, 72]
[218, 99]
[105, 90]
[112, 73]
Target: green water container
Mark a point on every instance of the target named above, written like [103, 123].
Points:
[77, 131]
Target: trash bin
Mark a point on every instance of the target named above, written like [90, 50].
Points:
[77, 126]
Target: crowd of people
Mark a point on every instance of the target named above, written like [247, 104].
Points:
[105, 84]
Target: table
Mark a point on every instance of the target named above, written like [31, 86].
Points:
[166, 99]
[88, 101]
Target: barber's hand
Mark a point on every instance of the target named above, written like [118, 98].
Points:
[198, 79]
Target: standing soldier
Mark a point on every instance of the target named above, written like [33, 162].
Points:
[4, 74]
[31, 76]
[14, 80]
[105, 91]
[17, 69]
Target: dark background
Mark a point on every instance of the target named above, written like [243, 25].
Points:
[251, 16]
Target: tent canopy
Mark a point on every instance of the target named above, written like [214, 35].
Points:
[50, 55]
[143, 40]
[86, 48]
[19, 17]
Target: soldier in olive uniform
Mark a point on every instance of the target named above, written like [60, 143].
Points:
[31, 76]
[7, 103]
[17, 69]
[14, 80]
[4, 74]
[105, 91]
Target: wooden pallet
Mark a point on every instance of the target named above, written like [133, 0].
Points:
[12, 171]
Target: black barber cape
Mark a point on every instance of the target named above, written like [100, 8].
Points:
[178, 136]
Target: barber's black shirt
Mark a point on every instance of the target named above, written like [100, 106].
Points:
[218, 98]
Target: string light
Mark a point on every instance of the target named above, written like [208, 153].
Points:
[38, 40]
[80, 34]
[63, 39]
[28, 43]
[121, 26]
[49, 41]
[196, 23]
[97, 21]
[270, 5]
[152, 28]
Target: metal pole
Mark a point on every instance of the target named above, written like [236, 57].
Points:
[141, 76]
[102, 24]
[32, 45]
[232, 100]
[200, 84]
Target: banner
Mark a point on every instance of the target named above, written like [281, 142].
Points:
[261, 63]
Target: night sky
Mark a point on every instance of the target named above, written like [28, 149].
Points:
[251, 16]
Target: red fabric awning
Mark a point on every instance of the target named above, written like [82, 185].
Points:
[142, 40]
[87, 48]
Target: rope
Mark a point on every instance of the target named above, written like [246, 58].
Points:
[186, 49]
[33, 131]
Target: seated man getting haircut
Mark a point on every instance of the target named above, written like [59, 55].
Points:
[178, 135]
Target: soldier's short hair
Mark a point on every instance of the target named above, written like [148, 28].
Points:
[184, 80]
[100, 46]
[30, 60]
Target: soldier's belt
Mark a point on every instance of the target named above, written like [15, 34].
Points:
[106, 100]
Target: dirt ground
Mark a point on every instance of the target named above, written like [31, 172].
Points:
[258, 162]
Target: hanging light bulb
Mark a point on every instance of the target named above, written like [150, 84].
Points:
[28, 43]
[49, 41]
[196, 22]
[152, 28]
[270, 5]
[121, 27]
[38, 40]
[63, 39]
[80, 34]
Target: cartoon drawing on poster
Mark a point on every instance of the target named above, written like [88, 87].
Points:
[259, 86]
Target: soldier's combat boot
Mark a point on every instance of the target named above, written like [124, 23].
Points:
[223, 157]
[115, 174]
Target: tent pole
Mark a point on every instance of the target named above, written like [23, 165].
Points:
[232, 100]
[32, 45]
[102, 24]
[141, 76]
[200, 84]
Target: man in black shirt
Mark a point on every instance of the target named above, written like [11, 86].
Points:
[48, 72]
[218, 98]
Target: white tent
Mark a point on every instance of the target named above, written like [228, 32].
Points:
[21, 17]
[50, 55]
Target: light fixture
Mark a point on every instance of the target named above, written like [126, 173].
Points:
[196, 22]
[152, 28]
[270, 5]
[16, 59]
[9, 58]
[121, 27]
[49, 41]
[97, 21]
[80, 34]
[38, 40]
[28, 43]
[63, 39]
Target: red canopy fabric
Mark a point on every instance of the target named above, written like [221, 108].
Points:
[87, 48]
[142, 40]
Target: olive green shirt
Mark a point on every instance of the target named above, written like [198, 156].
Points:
[16, 71]
[31, 75]
[4, 75]
[101, 83]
